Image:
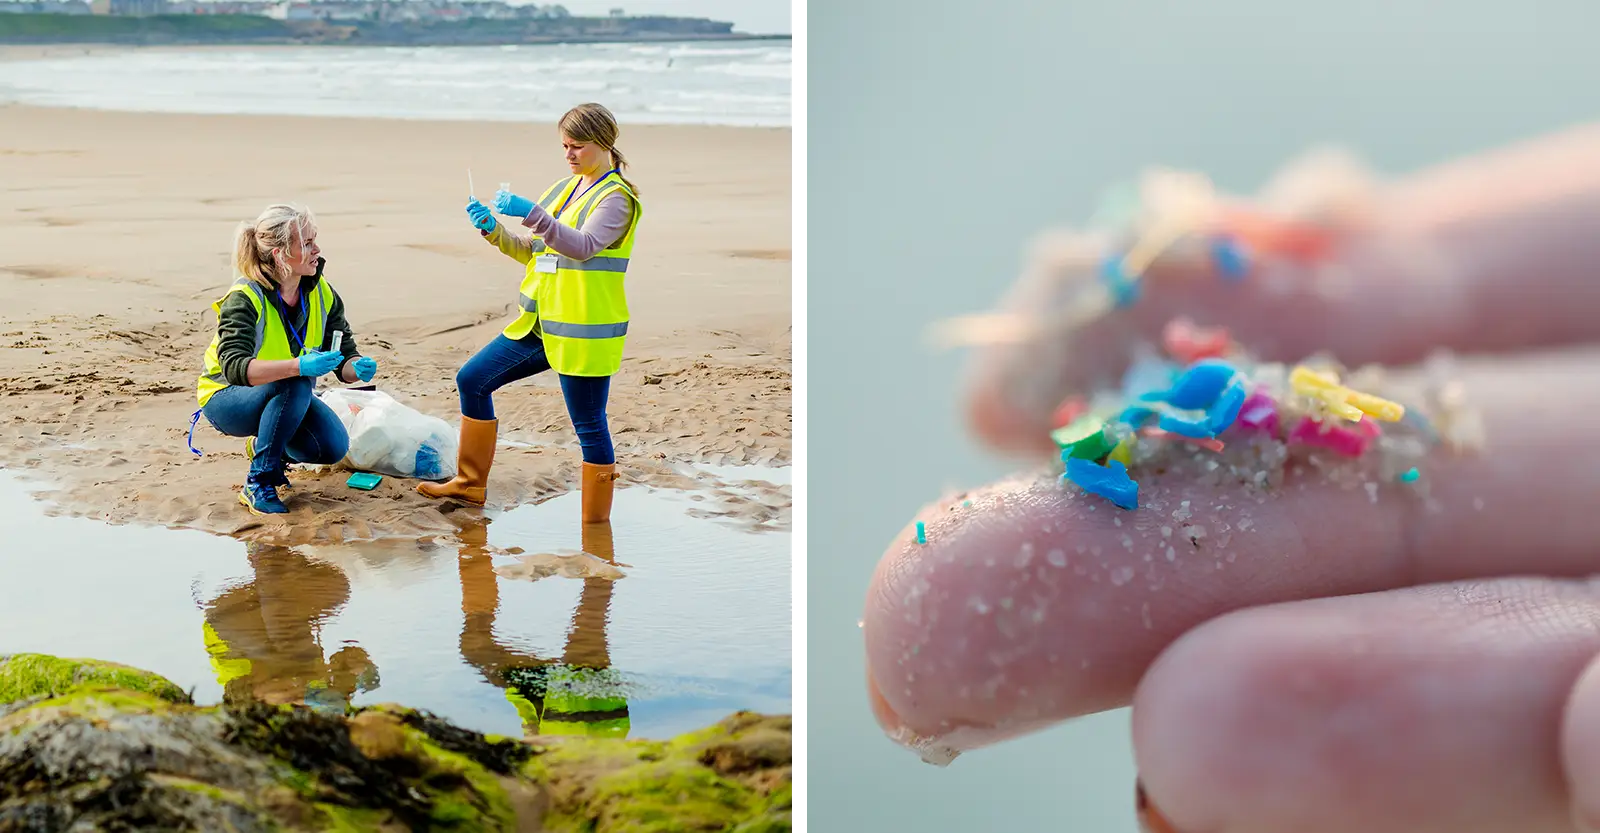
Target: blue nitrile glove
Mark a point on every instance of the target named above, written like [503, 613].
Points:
[480, 215]
[316, 363]
[512, 205]
[365, 368]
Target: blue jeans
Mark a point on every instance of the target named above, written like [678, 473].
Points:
[288, 422]
[503, 361]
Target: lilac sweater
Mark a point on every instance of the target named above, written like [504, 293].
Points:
[604, 227]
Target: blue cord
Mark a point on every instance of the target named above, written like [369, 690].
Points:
[193, 421]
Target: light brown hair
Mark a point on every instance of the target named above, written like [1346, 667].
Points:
[594, 124]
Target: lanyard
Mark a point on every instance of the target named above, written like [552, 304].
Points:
[288, 322]
[574, 191]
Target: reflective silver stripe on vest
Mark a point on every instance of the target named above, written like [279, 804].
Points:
[528, 303]
[538, 246]
[555, 192]
[261, 310]
[590, 206]
[216, 379]
[564, 330]
[594, 264]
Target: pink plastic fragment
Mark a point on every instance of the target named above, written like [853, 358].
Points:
[1260, 413]
[1351, 442]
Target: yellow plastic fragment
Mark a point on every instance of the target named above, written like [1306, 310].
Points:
[1340, 400]
[1123, 453]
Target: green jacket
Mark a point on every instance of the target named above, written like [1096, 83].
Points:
[236, 324]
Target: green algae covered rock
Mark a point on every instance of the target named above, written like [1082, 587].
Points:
[738, 769]
[87, 745]
[23, 676]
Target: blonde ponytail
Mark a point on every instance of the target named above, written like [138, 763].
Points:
[278, 227]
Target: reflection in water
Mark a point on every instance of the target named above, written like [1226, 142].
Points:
[690, 633]
[264, 636]
[574, 694]
[264, 640]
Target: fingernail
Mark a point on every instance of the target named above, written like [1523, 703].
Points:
[1150, 819]
[931, 750]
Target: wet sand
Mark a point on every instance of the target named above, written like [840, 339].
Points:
[115, 237]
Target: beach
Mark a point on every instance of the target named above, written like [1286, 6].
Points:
[116, 232]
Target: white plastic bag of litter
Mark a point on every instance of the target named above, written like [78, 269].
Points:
[387, 437]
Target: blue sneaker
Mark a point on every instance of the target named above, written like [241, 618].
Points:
[261, 499]
[278, 478]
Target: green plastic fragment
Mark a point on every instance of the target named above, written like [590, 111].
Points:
[1085, 438]
[1410, 476]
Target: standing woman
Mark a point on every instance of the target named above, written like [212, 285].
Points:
[574, 313]
[275, 331]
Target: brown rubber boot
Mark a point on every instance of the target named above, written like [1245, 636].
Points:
[470, 485]
[597, 482]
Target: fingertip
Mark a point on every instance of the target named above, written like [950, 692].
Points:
[987, 629]
[884, 713]
[1000, 424]
[1151, 819]
[1179, 757]
[1580, 747]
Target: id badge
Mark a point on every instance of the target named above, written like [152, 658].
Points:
[545, 264]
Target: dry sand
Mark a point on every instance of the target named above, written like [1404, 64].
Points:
[115, 236]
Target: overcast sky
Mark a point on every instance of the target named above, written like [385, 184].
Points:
[756, 16]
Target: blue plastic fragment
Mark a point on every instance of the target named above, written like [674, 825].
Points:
[1109, 481]
[1226, 409]
[1410, 476]
[1415, 419]
[1136, 416]
[1230, 257]
[1219, 413]
[1200, 385]
[922, 533]
[1124, 290]
[1199, 428]
[1148, 374]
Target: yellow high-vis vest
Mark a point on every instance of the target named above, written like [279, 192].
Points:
[228, 666]
[272, 337]
[578, 306]
[560, 712]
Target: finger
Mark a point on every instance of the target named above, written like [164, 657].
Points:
[1036, 602]
[1580, 747]
[1429, 709]
[1490, 254]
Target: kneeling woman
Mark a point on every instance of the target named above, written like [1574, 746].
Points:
[275, 329]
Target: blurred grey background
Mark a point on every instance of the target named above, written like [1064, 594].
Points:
[942, 137]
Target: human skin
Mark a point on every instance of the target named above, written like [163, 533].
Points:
[1351, 666]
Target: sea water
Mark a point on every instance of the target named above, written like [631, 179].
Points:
[744, 84]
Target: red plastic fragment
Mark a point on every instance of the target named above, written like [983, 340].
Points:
[1070, 409]
[1189, 344]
